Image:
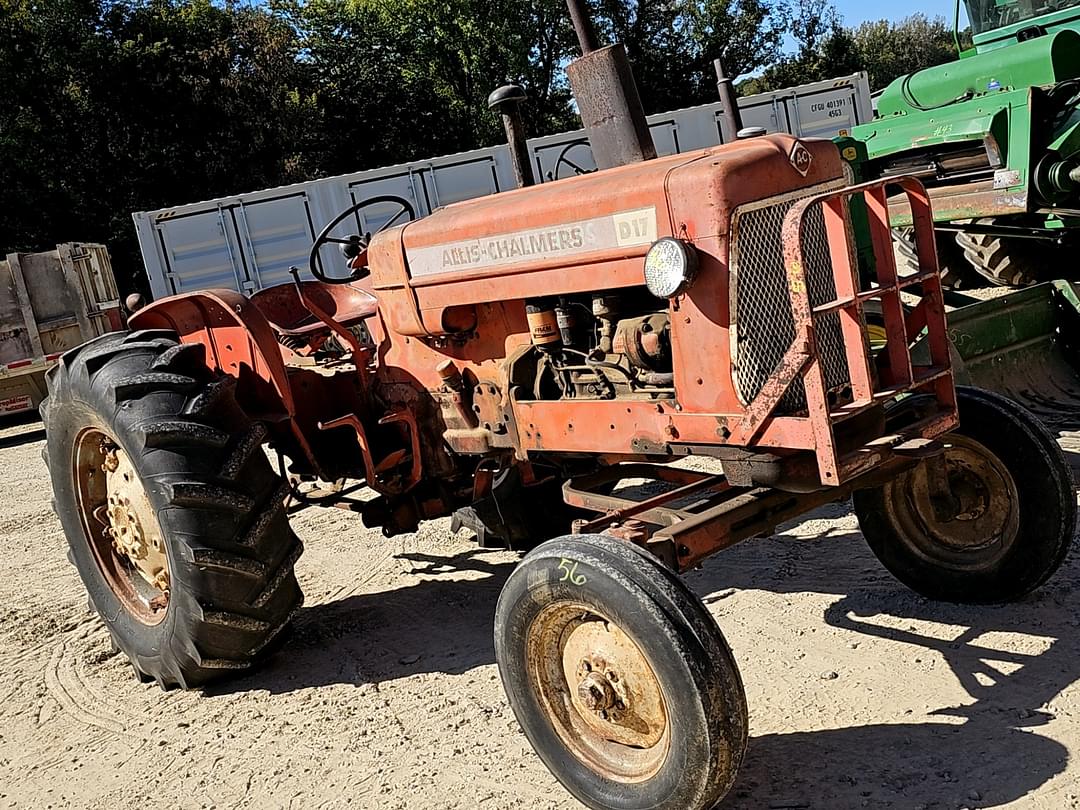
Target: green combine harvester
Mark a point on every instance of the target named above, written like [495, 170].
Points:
[995, 135]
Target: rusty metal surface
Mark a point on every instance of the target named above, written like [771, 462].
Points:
[610, 107]
[613, 688]
[598, 690]
[237, 337]
[684, 534]
[288, 307]
[121, 526]
[762, 319]
[617, 510]
[132, 522]
[384, 475]
[967, 201]
[978, 525]
[507, 101]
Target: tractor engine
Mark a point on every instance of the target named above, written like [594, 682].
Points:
[601, 346]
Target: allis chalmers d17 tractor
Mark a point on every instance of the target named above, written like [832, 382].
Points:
[515, 361]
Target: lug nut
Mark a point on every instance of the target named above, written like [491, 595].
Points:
[596, 693]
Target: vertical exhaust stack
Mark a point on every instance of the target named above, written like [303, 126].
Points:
[607, 97]
[506, 101]
[730, 116]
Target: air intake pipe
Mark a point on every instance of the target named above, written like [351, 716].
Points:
[506, 101]
[730, 116]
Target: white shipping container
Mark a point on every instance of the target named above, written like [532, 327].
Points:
[249, 241]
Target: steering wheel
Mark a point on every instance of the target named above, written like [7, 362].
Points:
[554, 173]
[353, 246]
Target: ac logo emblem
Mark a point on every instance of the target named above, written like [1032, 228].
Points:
[801, 158]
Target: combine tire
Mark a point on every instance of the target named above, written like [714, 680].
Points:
[174, 518]
[619, 677]
[955, 271]
[1003, 261]
[1015, 509]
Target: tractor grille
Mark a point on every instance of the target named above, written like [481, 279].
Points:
[764, 326]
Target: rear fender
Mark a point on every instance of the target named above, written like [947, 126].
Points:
[238, 340]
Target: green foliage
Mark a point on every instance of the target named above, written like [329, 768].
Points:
[885, 50]
[672, 43]
[113, 106]
[106, 109]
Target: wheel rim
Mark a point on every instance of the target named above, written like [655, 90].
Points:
[121, 526]
[599, 692]
[986, 520]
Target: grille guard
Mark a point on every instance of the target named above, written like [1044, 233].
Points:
[896, 371]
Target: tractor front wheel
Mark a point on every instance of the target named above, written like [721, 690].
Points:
[1010, 519]
[619, 677]
[174, 517]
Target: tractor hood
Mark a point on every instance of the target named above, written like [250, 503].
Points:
[1038, 62]
[582, 233]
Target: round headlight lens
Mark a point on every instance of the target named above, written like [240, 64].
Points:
[670, 266]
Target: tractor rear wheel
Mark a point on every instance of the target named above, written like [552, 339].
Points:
[1013, 502]
[619, 677]
[1005, 261]
[174, 517]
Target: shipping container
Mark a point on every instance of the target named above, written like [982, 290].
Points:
[249, 241]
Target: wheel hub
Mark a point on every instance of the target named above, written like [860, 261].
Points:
[616, 693]
[983, 517]
[124, 528]
[596, 692]
[599, 691]
[121, 526]
[127, 505]
[972, 498]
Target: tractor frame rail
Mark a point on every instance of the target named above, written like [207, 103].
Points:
[703, 513]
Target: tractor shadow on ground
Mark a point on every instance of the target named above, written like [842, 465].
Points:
[983, 753]
[441, 622]
[984, 749]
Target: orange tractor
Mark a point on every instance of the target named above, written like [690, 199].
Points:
[519, 362]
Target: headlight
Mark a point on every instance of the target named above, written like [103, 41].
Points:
[670, 266]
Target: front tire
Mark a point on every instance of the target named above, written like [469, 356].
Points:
[174, 518]
[1015, 509]
[619, 677]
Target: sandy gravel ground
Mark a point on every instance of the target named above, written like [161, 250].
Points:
[861, 694]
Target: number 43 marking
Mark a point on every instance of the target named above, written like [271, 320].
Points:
[570, 574]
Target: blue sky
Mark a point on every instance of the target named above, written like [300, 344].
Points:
[857, 11]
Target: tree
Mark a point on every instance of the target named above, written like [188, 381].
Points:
[109, 108]
[672, 43]
[429, 65]
[887, 50]
[824, 50]
[114, 106]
